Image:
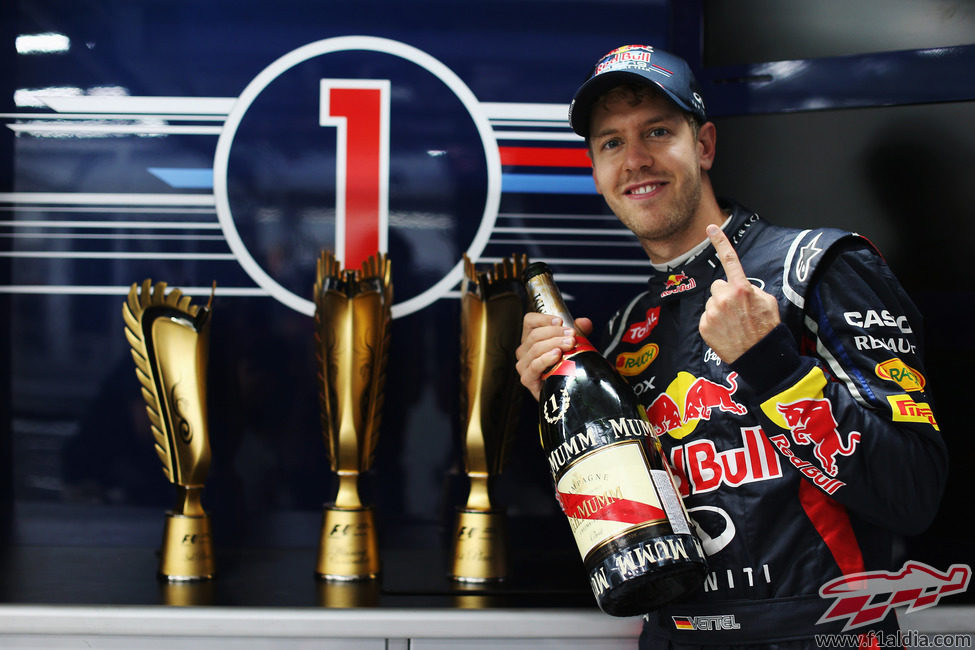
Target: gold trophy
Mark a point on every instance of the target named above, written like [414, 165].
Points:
[169, 338]
[353, 313]
[491, 311]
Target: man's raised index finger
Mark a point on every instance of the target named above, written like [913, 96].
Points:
[726, 254]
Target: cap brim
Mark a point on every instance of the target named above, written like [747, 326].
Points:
[580, 111]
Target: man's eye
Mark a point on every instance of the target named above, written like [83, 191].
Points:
[658, 132]
[611, 144]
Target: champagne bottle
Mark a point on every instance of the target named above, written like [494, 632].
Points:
[611, 477]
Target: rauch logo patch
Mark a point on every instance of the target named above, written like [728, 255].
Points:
[633, 363]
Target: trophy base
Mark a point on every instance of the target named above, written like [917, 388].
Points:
[187, 548]
[349, 546]
[348, 594]
[187, 593]
[479, 546]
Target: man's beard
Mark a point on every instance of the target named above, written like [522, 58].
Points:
[675, 220]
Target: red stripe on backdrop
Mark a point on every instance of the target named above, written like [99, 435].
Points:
[543, 157]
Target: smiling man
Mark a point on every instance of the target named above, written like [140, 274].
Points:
[800, 456]
[648, 164]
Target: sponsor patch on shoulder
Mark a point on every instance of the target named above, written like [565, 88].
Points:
[905, 409]
[901, 374]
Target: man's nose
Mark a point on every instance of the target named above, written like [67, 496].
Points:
[638, 155]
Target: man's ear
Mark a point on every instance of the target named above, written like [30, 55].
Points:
[706, 144]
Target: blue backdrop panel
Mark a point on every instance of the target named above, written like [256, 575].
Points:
[190, 143]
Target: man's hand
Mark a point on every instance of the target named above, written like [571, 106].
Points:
[543, 340]
[738, 314]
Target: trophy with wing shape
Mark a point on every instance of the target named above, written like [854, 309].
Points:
[169, 340]
[492, 305]
[353, 313]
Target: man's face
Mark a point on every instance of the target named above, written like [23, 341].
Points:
[648, 165]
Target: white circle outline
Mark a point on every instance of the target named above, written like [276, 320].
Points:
[340, 44]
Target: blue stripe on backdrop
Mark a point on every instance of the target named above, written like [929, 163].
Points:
[180, 178]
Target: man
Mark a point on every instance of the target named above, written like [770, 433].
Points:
[781, 371]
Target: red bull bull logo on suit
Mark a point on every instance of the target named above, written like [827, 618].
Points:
[688, 400]
[811, 422]
[807, 418]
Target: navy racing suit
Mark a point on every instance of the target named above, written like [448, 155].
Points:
[806, 459]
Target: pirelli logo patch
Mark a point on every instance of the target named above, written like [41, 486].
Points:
[905, 409]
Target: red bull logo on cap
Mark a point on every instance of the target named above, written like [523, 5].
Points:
[623, 55]
[688, 400]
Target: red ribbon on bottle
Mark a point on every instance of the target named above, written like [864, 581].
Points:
[567, 367]
[605, 508]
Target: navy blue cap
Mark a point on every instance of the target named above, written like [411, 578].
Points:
[639, 64]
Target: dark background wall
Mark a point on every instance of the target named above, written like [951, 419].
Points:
[896, 167]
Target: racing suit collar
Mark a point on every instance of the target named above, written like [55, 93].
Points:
[683, 278]
[680, 260]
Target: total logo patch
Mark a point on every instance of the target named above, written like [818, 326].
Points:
[633, 363]
[639, 331]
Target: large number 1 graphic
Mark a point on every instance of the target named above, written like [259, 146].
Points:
[359, 110]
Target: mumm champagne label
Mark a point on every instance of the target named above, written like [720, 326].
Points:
[596, 434]
[607, 492]
[642, 558]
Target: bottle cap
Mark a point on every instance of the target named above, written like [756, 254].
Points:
[533, 269]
